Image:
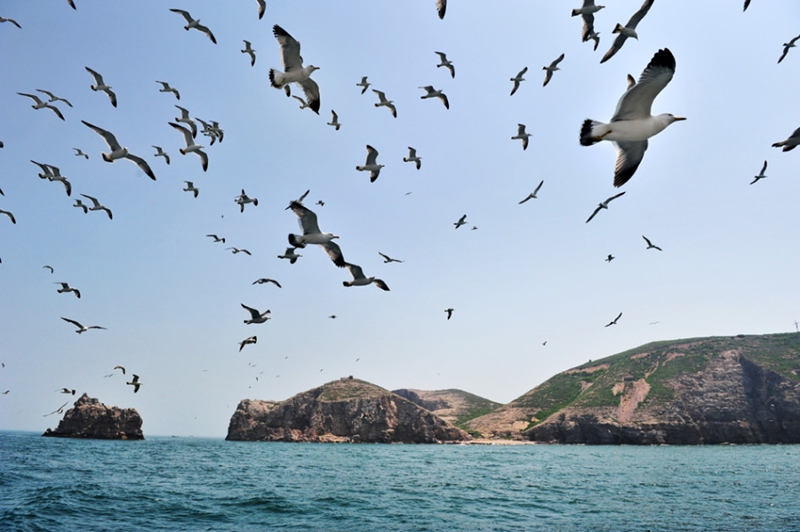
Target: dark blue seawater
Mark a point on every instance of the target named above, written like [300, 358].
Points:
[210, 484]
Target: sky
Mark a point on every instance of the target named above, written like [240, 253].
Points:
[170, 298]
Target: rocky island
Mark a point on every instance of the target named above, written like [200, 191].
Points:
[89, 418]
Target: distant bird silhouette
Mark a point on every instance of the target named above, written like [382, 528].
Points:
[517, 80]
[522, 135]
[49, 268]
[412, 158]
[66, 288]
[387, 259]
[53, 97]
[760, 174]
[59, 410]
[334, 120]
[135, 383]
[371, 165]
[359, 279]
[100, 85]
[461, 221]
[532, 195]
[10, 216]
[191, 188]
[290, 255]
[79, 153]
[444, 62]
[788, 46]
[383, 102]
[255, 315]
[650, 244]
[67, 391]
[610, 257]
[120, 368]
[552, 67]
[430, 92]
[449, 312]
[39, 104]
[216, 238]
[96, 206]
[247, 341]
[603, 205]
[790, 143]
[264, 280]
[192, 23]
[614, 321]
[236, 250]
[364, 84]
[248, 49]
[166, 88]
[81, 328]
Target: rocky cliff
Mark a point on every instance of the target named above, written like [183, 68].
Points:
[744, 389]
[89, 418]
[347, 410]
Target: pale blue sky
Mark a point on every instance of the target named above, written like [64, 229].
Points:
[170, 297]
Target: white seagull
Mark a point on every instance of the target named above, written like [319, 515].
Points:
[194, 23]
[312, 235]
[786, 47]
[604, 205]
[216, 238]
[79, 203]
[79, 153]
[761, 173]
[444, 62]
[256, 316]
[522, 135]
[334, 120]
[236, 250]
[96, 206]
[629, 30]
[364, 84]
[614, 321]
[433, 93]
[387, 259]
[247, 341]
[54, 98]
[303, 103]
[359, 279]
[243, 199]
[632, 123]
[248, 49]
[135, 383]
[517, 80]
[532, 195]
[650, 244]
[790, 143]
[66, 288]
[118, 152]
[265, 280]
[371, 165]
[294, 71]
[42, 105]
[100, 85]
[166, 88]
[186, 119]
[161, 153]
[551, 68]
[191, 188]
[385, 103]
[412, 158]
[81, 328]
[191, 147]
[587, 12]
[290, 255]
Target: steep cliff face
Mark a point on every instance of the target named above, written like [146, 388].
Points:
[347, 410]
[701, 391]
[89, 418]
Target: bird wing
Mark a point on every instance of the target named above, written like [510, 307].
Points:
[207, 31]
[538, 187]
[381, 95]
[520, 129]
[647, 240]
[335, 253]
[764, 168]
[141, 163]
[276, 283]
[187, 135]
[253, 312]
[185, 14]
[557, 61]
[588, 26]
[98, 79]
[441, 8]
[305, 217]
[93, 200]
[637, 100]
[311, 90]
[381, 284]
[614, 197]
[355, 271]
[595, 212]
[75, 323]
[615, 47]
[372, 155]
[637, 17]
[629, 157]
[262, 7]
[290, 49]
[109, 137]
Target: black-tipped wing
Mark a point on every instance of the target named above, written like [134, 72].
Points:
[290, 49]
[637, 100]
[142, 164]
[305, 217]
[109, 137]
[441, 8]
[335, 253]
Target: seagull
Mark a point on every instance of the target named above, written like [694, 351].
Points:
[67, 391]
[334, 120]
[191, 188]
[55, 175]
[65, 288]
[332, 316]
[522, 135]
[59, 410]
[364, 84]
[10, 216]
[371, 165]
[96, 206]
[790, 143]
[650, 244]
[49, 268]
[42, 105]
[247, 341]
[449, 312]
[290, 254]
[787, 46]
[551, 68]
[517, 80]
[248, 49]
[294, 71]
[610, 257]
[256, 316]
[161, 153]
[208, 130]
[81, 328]
[532, 195]
[79, 153]
[604, 205]
[216, 238]
[11, 20]
[632, 124]
[219, 132]
[118, 152]
[239, 250]
[385, 103]
[441, 7]
[243, 199]
[166, 88]
[445, 63]
[194, 23]
[53, 97]
[359, 279]
[121, 368]
[100, 85]
[135, 383]
[433, 93]
[312, 235]
[587, 12]
[412, 158]
[186, 119]
[761, 173]
[614, 321]
[461, 221]
[191, 147]
[320, 203]
[264, 280]
[387, 259]
[629, 30]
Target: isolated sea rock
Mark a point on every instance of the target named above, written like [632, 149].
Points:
[346, 410]
[91, 419]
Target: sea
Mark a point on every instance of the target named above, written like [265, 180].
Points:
[208, 484]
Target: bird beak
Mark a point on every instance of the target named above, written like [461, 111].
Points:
[677, 118]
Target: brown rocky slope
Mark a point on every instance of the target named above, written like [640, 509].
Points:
[89, 418]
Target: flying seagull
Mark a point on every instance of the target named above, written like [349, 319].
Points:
[66, 288]
[53, 97]
[444, 62]
[191, 188]
[96, 206]
[81, 328]
[191, 147]
[256, 316]
[532, 195]
[610, 258]
[100, 85]
[79, 153]
[383, 102]
[166, 88]
[790, 143]
[312, 235]
[49, 268]
[194, 23]
[371, 165]
[216, 238]
[67, 391]
[604, 205]
[294, 71]
[461, 221]
[364, 84]
[412, 158]
[248, 49]
[587, 12]
[290, 255]
[55, 175]
[59, 410]
[185, 118]
[650, 244]
[135, 383]
[517, 80]
[433, 93]
[247, 341]
[161, 153]
[522, 135]
[11, 20]
[551, 68]
[614, 321]
[10, 216]
[42, 105]
[387, 259]
[118, 152]
[334, 120]
[236, 250]
[264, 280]
[359, 279]
[449, 312]
[787, 46]
[121, 368]
[629, 30]
[243, 199]
[632, 123]
[761, 173]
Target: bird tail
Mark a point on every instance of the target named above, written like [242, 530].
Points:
[618, 28]
[275, 78]
[255, 202]
[576, 12]
[295, 241]
[587, 136]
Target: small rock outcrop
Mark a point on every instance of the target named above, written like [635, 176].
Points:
[347, 410]
[91, 419]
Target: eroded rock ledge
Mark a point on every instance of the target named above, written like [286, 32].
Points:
[91, 419]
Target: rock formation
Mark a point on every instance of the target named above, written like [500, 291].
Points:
[89, 418]
[454, 406]
[347, 410]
